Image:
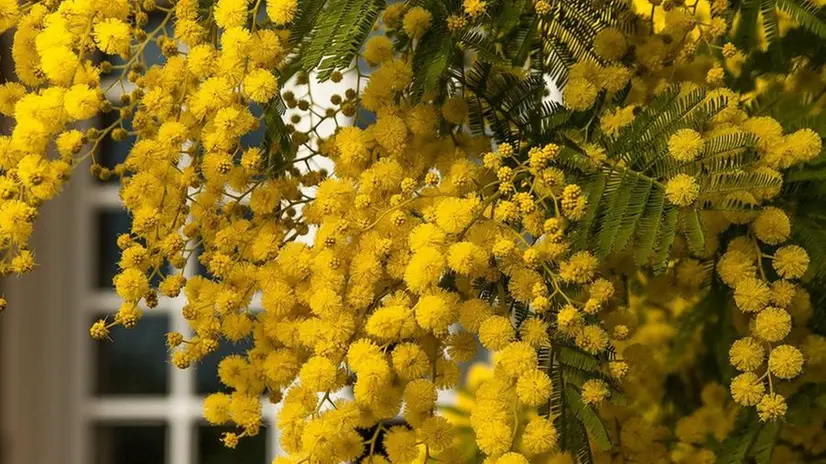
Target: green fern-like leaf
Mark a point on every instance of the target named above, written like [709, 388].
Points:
[690, 321]
[431, 59]
[577, 359]
[764, 443]
[693, 229]
[810, 16]
[809, 232]
[745, 36]
[305, 19]
[590, 419]
[500, 101]
[479, 43]
[736, 446]
[339, 32]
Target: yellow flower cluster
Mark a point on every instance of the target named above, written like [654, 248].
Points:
[742, 267]
[436, 238]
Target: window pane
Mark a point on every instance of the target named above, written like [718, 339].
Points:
[206, 372]
[110, 152]
[130, 444]
[134, 362]
[110, 224]
[250, 450]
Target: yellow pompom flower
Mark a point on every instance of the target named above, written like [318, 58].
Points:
[682, 190]
[579, 94]
[804, 144]
[424, 269]
[260, 85]
[512, 458]
[595, 391]
[685, 145]
[771, 407]
[391, 322]
[751, 294]
[533, 387]
[610, 43]
[454, 214]
[516, 358]
[391, 133]
[772, 324]
[474, 8]
[420, 395]
[236, 326]
[436, 433]
[60, 65]
[618, 369]
[10, 94]
[735, 266]
[455, 110]
[230, 13]
[613, 79]
[416, 22]
[461, 346]
[493, 437]
[466, 258]
[535, 332]
[216, 408]
[568, 320]
[783, 292]
[790, 261]
[113, 37]
[245, 410]
[579, 268]
[435, 312]
[746, 354]
[69, 142]
[747, 389]
[9, 14]
[786, 362]
[131, 285]
[772, 226]
[377, 50]
[401, 445]
[81, 102]
[715, 75]
[410, 361]
[539, 436]
[472, 313]
[318, 374]
[281, 12]
[496, 332]
[592, 338]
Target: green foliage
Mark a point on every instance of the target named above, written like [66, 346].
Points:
[431, 59]
[760, 18]
[501, 102]
[810, 17]
[305, 20]
[691, 322]
[751, 440]
[736, 446]
[338, 33]
[277, 146]
[590, 419]
[567, 33]
[628, 207]
[573, 435]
